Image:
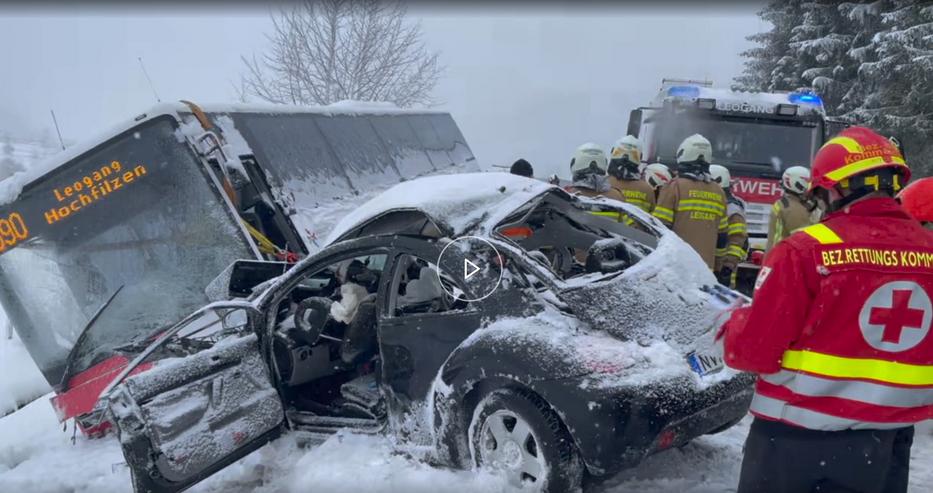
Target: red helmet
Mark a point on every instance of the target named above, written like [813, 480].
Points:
[917, 199]
[853, 152]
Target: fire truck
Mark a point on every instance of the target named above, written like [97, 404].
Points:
[755, 135]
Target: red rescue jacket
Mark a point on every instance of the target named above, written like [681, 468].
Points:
[839, 330]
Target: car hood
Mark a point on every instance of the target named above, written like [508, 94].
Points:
[670, 295]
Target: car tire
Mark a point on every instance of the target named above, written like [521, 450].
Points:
[516, 432]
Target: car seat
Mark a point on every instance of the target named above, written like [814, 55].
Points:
[423, 289]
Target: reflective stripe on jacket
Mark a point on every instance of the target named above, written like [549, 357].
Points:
[839, 329]
[696, 211]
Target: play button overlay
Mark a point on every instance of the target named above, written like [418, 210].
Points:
[470, 268]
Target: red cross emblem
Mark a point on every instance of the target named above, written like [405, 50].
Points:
[896, 316]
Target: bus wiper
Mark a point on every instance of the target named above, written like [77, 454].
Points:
[69, 361]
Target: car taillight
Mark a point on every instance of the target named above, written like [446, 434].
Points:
[666, 439]
[757, 257]
[517, 232]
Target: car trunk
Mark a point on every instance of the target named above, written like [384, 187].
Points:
[669, 295]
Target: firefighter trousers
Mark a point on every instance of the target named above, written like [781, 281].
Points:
[781, 458]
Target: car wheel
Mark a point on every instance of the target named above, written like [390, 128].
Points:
[516, 433]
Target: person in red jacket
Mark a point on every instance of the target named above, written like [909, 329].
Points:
[917, 200]
[839, 333]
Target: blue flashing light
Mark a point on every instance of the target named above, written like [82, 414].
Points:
[684, 91]
[805, 98]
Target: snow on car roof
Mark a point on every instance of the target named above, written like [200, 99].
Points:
[11, 187]
[458, 201]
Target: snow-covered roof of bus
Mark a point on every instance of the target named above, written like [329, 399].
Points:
[458, 201]
[11, 187]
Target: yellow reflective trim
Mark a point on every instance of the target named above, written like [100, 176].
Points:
[702, 203]
[822, 234]
[858, 368]
[737, 251]
[605, 213]
[736, 228]
[849, 143]
[863, 165]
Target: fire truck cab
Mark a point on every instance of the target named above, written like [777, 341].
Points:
[755, 135]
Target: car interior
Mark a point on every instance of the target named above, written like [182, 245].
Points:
[328, 364]
[572, 242]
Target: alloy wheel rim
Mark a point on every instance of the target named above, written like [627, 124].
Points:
[507, 444]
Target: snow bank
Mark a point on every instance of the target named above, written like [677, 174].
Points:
[459, 201]
[20, 379]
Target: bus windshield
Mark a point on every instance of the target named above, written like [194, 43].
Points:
[138, 214]
[770, 144]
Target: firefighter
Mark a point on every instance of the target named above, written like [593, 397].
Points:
[588, 167]
[692, 205]
[522, 167]
[732, 247]
[917, 200]
[625, 175]
[657, 175]
[793, 210]
[839, 333]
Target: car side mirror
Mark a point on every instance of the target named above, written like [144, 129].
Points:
[247, 274]
[608, 256]
[235, 319]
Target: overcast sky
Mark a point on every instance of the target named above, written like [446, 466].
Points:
[521, 82]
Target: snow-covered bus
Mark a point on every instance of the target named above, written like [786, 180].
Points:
[109, 242]
[755, 135]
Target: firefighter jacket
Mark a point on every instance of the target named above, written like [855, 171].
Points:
[788, 214]
[839, 329]
[696, 211]
[732, 246]
[636, 192]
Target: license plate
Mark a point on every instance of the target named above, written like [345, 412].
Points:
[704, 364]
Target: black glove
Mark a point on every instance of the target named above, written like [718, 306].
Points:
[724, 276]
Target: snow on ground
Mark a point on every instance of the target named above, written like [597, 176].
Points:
[26, 384]
[36, 455]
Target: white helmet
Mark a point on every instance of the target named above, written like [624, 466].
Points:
[721, 175]
[657, 175]
[796, 179]
[627, 146]
[589, 157]
[695, 148]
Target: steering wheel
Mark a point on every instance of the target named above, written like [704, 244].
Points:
[607, 257]
[311, 317]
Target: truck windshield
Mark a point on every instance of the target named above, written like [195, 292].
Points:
[138, 211]
[772, 145]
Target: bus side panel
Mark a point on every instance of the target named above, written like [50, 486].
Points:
[359, 150]
[295, 154]
[403, 145]
[452, 140]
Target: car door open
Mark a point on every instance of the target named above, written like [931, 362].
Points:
[193, 414]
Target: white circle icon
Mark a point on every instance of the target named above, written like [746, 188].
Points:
[896, 317]
[475, 264]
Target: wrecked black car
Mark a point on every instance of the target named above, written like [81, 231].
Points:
[499, 320]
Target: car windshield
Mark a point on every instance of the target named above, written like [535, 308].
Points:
[138, 211]
[758, 142]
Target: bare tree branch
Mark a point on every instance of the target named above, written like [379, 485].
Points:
[323, 51]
